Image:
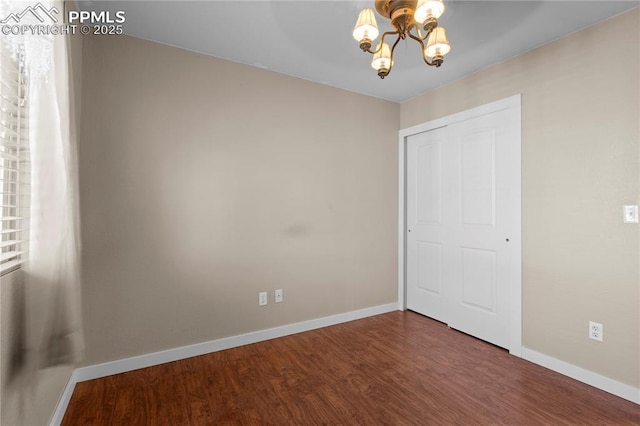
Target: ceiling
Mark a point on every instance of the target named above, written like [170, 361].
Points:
[311, 39]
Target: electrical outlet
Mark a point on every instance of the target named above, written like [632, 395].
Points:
[262, 298]
[278, 296]
[596, 331]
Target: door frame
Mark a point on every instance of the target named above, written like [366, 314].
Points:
[515, 297]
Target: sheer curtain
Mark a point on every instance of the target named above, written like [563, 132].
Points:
[54, 317]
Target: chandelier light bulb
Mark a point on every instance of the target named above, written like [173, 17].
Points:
[382, 60]
[438, 45]
[428, 9]
[366, 27]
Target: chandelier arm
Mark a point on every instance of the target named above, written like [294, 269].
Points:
[386, 33]
[431, 64]
[426, 61]
[394, 46]
[392, 49]
[418, 39]
[424, 57]
[422, 37]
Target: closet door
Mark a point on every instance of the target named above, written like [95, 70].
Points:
[427, 222]
[463, 224]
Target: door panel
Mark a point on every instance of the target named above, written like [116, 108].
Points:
[425, 232]
[479, 279]
[429, 190]
[480, 286]
[478, 183]
[429, 267]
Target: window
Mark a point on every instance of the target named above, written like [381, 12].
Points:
[14, 164]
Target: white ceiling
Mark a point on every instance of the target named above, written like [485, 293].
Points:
[311, 39]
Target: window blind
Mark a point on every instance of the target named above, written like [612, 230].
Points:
[15, 169]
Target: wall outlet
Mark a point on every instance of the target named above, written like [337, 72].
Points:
[596, 331]
[262, 298]
[278, 296]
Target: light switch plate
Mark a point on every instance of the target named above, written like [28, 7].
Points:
[630, 214]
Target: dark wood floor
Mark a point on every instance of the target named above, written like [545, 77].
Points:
[397, 368]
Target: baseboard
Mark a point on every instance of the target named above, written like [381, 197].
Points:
[585, 376]
[129, 364]
[61, 408]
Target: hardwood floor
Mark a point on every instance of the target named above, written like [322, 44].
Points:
[398, 368]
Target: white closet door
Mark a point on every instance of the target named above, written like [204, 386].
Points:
[426, 223]
[463, 224]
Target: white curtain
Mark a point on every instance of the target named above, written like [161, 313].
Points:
[52, 272]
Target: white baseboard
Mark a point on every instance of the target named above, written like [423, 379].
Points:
[134, 363]
[61, 408]
[585, 376]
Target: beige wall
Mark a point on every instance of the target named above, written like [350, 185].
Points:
[204, 182]
[580, 165]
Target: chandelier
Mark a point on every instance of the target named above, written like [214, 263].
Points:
[407, 17]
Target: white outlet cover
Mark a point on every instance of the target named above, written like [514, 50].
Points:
[596, 331]
[630, 214]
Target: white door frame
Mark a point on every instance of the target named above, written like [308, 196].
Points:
[516, 294]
